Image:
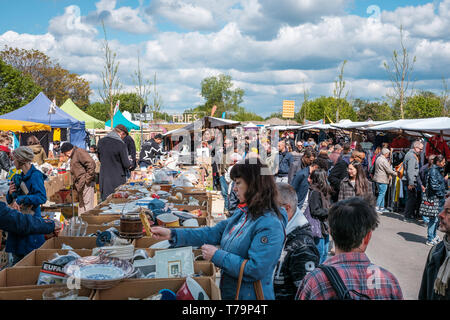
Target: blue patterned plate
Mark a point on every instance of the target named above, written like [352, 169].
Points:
[99, 272]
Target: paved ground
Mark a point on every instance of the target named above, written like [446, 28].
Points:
[399, 247]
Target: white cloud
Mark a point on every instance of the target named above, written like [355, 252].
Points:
[70, 23]
[304, 50]
[184, 14]
[133, 20]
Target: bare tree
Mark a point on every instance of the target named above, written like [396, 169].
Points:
[157, 100]
[339, 86]
[110, 79]
[400, 74]
[143, 90]
[304, 109]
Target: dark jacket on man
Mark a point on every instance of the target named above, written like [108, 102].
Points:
[150, 153]
[337, 174]
[301, 185]
[299, 256]
[113, 156]
[131, 147]
[436, 257]
[285, 162]
[297, 164]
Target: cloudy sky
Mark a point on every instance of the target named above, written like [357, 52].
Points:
[273, 49]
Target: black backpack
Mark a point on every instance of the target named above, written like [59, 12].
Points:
[338, 285]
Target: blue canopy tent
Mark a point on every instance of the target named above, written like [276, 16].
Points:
[38, 111]
[120, 119]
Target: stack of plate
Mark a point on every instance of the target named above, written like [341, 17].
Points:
[99, 272]
[120, 252]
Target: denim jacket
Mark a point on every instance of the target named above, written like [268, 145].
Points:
[240, 237]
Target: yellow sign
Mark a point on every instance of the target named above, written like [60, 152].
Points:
[288, 108]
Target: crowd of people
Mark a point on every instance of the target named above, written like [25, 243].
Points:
[324, 201]
[300, 217]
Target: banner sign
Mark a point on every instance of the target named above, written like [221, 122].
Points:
[288, 109]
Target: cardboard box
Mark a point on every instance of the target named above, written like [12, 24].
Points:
[37, 257]
[93, 228]
[19, 276]
[144, 242]
[74, 242]
[35, 293]
[142, 288]
[99, 220]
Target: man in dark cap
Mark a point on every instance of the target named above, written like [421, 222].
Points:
[82, 169]
[151, 151]
[131, 148]
[113, 156]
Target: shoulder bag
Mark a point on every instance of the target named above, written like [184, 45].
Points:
[257, 284]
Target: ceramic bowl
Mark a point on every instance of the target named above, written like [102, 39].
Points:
[190, 223]
[99, 272]
[168, 220]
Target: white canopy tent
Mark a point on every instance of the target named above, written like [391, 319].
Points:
[348, 124]
[417, 127]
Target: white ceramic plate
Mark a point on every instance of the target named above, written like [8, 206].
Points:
[101, 272]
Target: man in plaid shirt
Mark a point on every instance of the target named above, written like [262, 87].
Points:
[351, 224]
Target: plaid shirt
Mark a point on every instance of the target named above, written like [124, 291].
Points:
[348, 191]
[358, 274]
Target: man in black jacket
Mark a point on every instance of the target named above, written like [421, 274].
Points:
[299, 255]
[436, 276]
[113, 156]
[151, 151]
[131, 147]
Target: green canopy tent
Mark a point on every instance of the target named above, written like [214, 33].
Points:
[91, 123]
[120, 119]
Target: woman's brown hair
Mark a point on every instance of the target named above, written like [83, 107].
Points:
[32, 140]
[262, 193]
[361, 183]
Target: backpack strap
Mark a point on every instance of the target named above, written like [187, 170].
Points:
[336, 281]
[338, 284]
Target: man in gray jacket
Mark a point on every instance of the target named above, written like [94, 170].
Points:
[411, 165]
[383, 171]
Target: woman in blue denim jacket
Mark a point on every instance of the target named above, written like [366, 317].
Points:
[254, 232]
[20, 245]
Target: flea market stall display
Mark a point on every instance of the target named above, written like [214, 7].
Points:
[110, 252]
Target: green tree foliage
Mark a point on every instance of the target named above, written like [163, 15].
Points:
[275, 115]
[376, 111]
[99, 111]
[217, 90]
[424, 105]
[129, 101]
[244, 115]
[55, 81]
[16, 89]
[325, 108]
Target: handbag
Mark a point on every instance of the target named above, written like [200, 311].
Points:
[429, 206]
[257, 285]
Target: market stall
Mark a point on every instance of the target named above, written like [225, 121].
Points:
[38, 111]
[115, 235]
